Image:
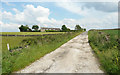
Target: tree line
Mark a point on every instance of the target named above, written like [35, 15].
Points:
[35, 28]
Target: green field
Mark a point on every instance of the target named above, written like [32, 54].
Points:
[29, 33]
[106, 45]
[13, 42]
[38, 46]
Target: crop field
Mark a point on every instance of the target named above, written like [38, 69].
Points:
[25, 50]
[106, 45]
[29, 33]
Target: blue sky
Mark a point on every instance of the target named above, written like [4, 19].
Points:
[56, 12]
[89, 15]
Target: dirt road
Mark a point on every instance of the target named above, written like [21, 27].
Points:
[75, 56]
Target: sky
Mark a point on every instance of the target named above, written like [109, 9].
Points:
[89, 15]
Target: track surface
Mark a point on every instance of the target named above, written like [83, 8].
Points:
[75, 56]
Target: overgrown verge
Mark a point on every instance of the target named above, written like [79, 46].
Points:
[106, 45]
[38, 47]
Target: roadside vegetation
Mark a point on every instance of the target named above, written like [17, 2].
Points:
[106, 45]
[25, 50]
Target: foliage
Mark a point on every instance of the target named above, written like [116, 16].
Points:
[105, 44]
[84, 29]
[35, 27]
[24, 28]
[77, 27]
[65, 29]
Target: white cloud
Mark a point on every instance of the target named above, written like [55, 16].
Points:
[9, 27]
[88, 8]
[93, 15]
[30, 15]
[15, 10]
[92, 18]
[103, 6]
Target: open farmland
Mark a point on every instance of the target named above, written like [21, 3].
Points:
[106, 45]
[13, 42]
[37, 46]
[29, 33]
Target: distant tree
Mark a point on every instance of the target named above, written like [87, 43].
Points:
[64, 28]
[84, 29]
[77, 27]
[21, 28]
[68, 29]
[35, 27]
[24, 28]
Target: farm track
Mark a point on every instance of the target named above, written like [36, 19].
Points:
[75, 56]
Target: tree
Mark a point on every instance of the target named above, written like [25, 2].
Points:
[68, 29]
[24, 28]
[77, 27]
[35, 27]
[21, 28]
[84, 29]
[64, 28]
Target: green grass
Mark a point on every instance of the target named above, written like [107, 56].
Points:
[13, 41]
[38, 47]
[29, 33]
[0, 55]
[106, 45]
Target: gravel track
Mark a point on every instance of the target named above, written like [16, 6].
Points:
[75, 56]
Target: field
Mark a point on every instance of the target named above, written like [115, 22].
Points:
[13, 42]
[106, 45]
[29, 33]
[25, 50]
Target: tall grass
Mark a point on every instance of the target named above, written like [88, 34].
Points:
[38, 47]
[105, 44]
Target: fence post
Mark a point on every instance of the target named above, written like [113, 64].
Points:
[8, 46]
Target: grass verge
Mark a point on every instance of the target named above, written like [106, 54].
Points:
[106, 45]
